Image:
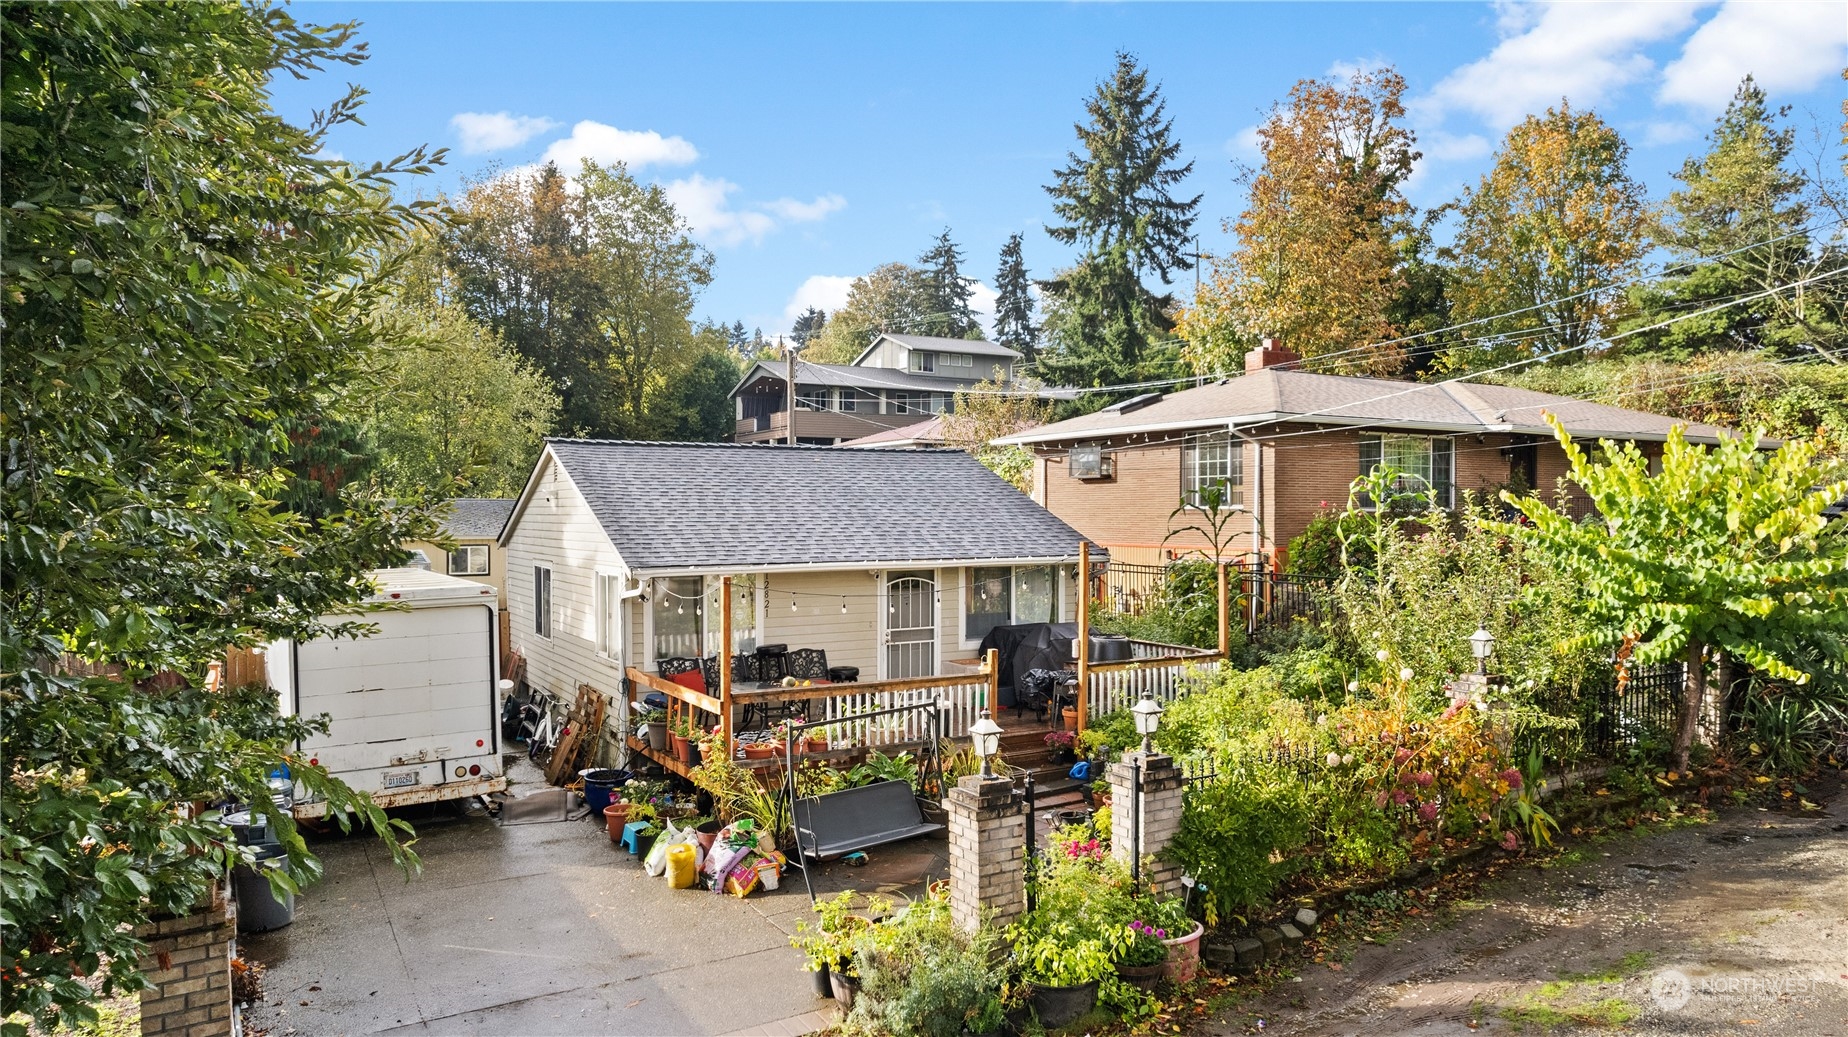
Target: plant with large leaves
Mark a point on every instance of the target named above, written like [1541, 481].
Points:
[1726, 548]
[189, 280]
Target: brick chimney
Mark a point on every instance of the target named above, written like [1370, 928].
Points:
[1270, 353]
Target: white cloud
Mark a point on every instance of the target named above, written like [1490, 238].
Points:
[495, 131]
[1342, 71]
[1245, 143]
[825, 292]
[791, 211]
[1785, 46]
[982, 301]
[706, 204]
[1659, 133]
[605, 144]
[1439, 146]
[1582, 52]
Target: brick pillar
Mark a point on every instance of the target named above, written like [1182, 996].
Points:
[189, 962]
[988, 847]
[1157, 810]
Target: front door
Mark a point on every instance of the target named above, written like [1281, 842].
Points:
[910, 624]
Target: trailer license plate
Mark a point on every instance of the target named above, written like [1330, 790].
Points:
[400, 779]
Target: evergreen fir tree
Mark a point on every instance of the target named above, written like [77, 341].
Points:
[946, 292]
[1742, 201]
[808, 325]
[1014, 303]
[1117, 203]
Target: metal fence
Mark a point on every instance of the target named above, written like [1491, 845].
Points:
[1259, 598]
[1273, 599]
[1129, 588]
[1614, 711]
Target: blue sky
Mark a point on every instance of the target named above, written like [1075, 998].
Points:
[807, 143]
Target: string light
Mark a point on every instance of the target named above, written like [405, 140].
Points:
[843, 604]
[792, 601]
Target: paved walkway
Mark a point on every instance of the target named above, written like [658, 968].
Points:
[543, 929]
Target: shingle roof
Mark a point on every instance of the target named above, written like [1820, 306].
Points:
[715, 506]
[973, 346]
[871, 378]
[476, 518]
[1274, 395]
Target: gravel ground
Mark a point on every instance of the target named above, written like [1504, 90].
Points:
[1738, 925]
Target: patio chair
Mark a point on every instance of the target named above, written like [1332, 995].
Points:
[808, 664]
[710, 667]
[773, 662]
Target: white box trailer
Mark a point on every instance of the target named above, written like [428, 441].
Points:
[414, 707]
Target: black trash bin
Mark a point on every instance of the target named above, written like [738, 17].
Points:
[259, 909]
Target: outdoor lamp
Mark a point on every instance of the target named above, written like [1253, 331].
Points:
[1482, 645]
[986, 734]
[1148, 718]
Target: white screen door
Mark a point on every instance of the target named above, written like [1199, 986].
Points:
[911, 625]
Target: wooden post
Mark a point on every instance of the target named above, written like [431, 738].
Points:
[1084, 631]
[1225, 620]
[790, 377]
[991, 663]
[725, 669]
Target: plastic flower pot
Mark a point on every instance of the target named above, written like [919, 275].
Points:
[823, 986]
[814, 745]
[1062, 1006]
[845, 987]
[1144, 976]
[707, 834]
[759, 751]
[656, 736]
[1183, 956]
[614, 817]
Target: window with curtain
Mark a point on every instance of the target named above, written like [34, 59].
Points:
[744, 615]
[609, 599]
[1423, 462]
[1001, 595]
[1210, 460]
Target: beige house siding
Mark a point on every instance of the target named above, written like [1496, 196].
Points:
[558, 530]
[497, 562]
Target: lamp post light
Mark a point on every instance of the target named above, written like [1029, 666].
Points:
[1482, 645]
[1148, 719]
[986, 734]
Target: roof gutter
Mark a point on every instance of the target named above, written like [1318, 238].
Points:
[820, 567]
[1341, 422]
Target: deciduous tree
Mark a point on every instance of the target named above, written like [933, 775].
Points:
[1726, 549]
[1316, 260]
[186, 274]
[1555, 218]
[890, 298]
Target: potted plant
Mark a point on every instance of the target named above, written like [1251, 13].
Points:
[1069, 714]
[1144, 956]
[651, 727]
[827, 945]
[681, 736]
[1062, 744]
[1169, 914]
[1062, 969]
[758, 750]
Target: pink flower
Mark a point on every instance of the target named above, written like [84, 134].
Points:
[1401, 756]
[1425, 778]
[1510, 840]
[1428, 811]
[1512, 777]
[1380, 800]
[1401, 797]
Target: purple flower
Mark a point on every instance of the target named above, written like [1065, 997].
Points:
[1425, 778]
[1428, 811]
[1401, 797]
[1510, 840]
[1161, 934]
[1512, 777]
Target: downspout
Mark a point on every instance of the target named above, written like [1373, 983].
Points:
[624, 692]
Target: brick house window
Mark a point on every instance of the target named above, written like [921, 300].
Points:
[1424, 462]
[1210, 460]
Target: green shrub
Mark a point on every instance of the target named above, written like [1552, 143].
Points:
[922, 976]
[1240, 835]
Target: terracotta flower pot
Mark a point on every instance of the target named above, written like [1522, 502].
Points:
[814, 745]
[615, 816]
[1183, 956]
[759, 751]
[680, 744]
[1069, 714]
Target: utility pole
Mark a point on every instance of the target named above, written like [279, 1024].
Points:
[789, 358]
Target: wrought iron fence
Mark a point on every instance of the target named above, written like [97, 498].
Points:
[1273, 599]
[1128, 588]
[1612, 712]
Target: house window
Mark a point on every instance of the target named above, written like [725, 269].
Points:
[940, 402]
[909, 402]
[856, 399]
[923, 361]
[687, 618]
[999, 595]
[1209, 461]
[469, 560]
[1423, 462]
[609, 600]
[812, 397]
[542, 601]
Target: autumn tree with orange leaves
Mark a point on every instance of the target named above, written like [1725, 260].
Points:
[1315, 261]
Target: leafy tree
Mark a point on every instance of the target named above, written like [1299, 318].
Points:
[1737, 224]
[456, 411]
[890, 298]
[649, 271]
[945, 292]
[807, 326]
[185, 278]
[990, 410]
[1726, 549]
[694, 403]
[1115, 200]
[1555, 218]
[523, 269]
[1014, 303]
[1316, 261]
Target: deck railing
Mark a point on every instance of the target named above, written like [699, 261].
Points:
[1168, 671]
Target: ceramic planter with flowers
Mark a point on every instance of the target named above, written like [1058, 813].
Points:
[1143, 958]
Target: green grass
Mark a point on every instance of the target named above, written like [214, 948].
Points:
[1571, 1000]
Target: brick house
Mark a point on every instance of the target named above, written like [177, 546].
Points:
[1287, 443]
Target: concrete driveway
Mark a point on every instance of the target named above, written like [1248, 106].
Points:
[541, 929]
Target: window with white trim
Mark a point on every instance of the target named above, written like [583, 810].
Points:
[1209, 461]
[469, 560]
[687, 621]
[542, 600]
[1000, 595]
[1423, 462]
[921, 361]
[609, 601]
[812, 397]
